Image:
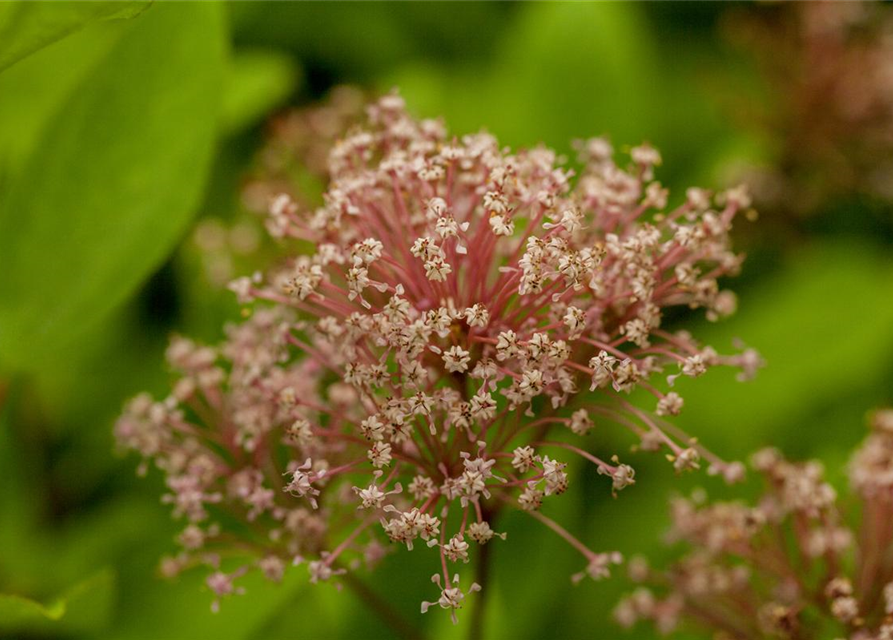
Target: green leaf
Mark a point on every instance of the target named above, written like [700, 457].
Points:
[85, 607]
[26, 27]
[34, 90]
[258, 82]
[186, 607]
[18, 612]
[113, 182]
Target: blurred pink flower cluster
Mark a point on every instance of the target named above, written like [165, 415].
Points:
[829, 72]
[292, 160]
[788, 566]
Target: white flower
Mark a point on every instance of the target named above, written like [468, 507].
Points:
[477, 315]
[481, 532]
[670, 404]
[380, 454]
[304, 280]
[300, 484]
[523, 459]
[372, 428]
[456, 549]
[531, 499]
[456, 359]
[506, 345]
[599, 566]
[694, 366]
[437, 269]
[483, 406]
[688, 459]
[501, 225]
[450, 597]
[602, 367]
[575, 320]
[581, 423]
[622, 476]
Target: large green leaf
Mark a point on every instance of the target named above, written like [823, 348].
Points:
[85, 607]
[26, 27]
[113, 181]
[33, 91]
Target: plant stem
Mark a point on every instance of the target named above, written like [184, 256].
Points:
[5, 386]
[401, 627]
[481, 576]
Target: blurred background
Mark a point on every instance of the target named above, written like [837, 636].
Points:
[136, 141]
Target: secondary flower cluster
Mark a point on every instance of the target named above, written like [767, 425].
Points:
[400, 382]
[294, 157]
[829, 65]
[787, 567]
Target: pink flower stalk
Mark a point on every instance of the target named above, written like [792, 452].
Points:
[463, 311]
[788, 566]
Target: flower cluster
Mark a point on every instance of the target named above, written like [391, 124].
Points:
[788, 566]
[400, 383]
[831, 64]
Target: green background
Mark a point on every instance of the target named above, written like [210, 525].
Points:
[121, 124]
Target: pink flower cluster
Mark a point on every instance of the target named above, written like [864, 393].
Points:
[463, 317]
[788, 566]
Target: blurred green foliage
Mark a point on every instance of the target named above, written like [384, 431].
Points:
[115, 134]
[28, 27]
[258, 80]
[123, 161]
[82, 608]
